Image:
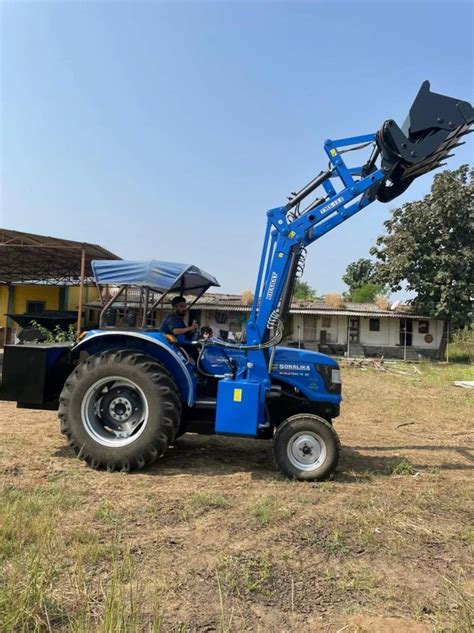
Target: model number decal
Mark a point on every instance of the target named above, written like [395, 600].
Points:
[331, 205]
[271, 287]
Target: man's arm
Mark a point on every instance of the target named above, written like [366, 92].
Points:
[185, 330]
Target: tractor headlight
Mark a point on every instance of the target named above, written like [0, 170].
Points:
[331, 378]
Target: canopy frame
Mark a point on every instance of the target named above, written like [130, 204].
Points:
[146, 275]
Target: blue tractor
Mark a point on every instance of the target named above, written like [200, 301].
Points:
[125, 393]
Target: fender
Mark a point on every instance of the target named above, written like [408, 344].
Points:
[99, 341]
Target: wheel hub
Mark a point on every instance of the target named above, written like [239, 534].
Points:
[120, 409]
[305, 450]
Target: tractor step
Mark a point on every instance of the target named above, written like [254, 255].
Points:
[206, 403]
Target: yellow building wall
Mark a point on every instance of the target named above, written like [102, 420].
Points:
[90, 294]
[48, 294]
[3, 305]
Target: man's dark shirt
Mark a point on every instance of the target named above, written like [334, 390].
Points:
[171, 322]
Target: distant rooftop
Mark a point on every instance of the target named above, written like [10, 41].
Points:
[234, 303]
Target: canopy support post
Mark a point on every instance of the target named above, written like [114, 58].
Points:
[81, 292]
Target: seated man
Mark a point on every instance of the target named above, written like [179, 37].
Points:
[174, 323]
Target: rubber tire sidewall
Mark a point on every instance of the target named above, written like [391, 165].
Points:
[153, 435]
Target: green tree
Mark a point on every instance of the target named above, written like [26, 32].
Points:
[366, 293]
[358, 274]
[303, 290]
[429, 244]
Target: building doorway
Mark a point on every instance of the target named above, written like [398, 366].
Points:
[354, 329]
[406, 332]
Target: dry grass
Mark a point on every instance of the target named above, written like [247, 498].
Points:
[334, 300]
[382, 302]
[213, 538]
[247, 297]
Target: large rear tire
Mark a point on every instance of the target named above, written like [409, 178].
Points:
[306, 447]
[120, 410]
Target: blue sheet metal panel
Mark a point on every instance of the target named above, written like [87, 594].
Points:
[237, 407]
[156, 274]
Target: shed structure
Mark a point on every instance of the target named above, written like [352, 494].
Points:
[28, 260]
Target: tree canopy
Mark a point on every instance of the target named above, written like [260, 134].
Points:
[358, 274]
[303, 290]
[366, 293]
[429, 244]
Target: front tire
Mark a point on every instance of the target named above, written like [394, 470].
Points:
[306, 448]
[120, 410]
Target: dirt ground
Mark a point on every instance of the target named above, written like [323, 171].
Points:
[213, 538]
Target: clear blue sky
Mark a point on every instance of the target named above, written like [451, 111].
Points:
[167, 129]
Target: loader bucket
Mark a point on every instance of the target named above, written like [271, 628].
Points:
[434, 127]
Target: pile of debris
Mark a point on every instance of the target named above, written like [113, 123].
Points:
[364, 363]
[379, 365]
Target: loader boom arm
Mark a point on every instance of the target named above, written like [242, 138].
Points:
[433, 128]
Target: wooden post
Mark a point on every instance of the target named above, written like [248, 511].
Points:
[10, 308]
[405, 340]
[447, 342]
[81, 291]
[348, 349]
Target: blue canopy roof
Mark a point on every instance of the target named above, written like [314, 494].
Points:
[160, 276]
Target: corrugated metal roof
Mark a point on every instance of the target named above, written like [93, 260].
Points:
[27, 258]
[376, 312]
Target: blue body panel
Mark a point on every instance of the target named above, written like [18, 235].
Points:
[238, 407]
[294, 367]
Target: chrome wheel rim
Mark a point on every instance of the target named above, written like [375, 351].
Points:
[306, 450]
[114, 411]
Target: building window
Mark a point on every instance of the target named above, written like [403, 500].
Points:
[423, 327]
[374, 325]
[35, 307]
[326, 321]
[221, 317]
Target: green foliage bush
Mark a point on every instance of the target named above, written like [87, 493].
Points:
[461, 349]
[58, 335]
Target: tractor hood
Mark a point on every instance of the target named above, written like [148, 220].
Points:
[315, 375]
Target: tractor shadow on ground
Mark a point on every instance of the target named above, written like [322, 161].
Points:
[217, 456]
[211, 455]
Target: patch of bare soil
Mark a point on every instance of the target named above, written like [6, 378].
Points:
[213, 538]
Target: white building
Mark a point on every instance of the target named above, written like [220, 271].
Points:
[355, 329]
